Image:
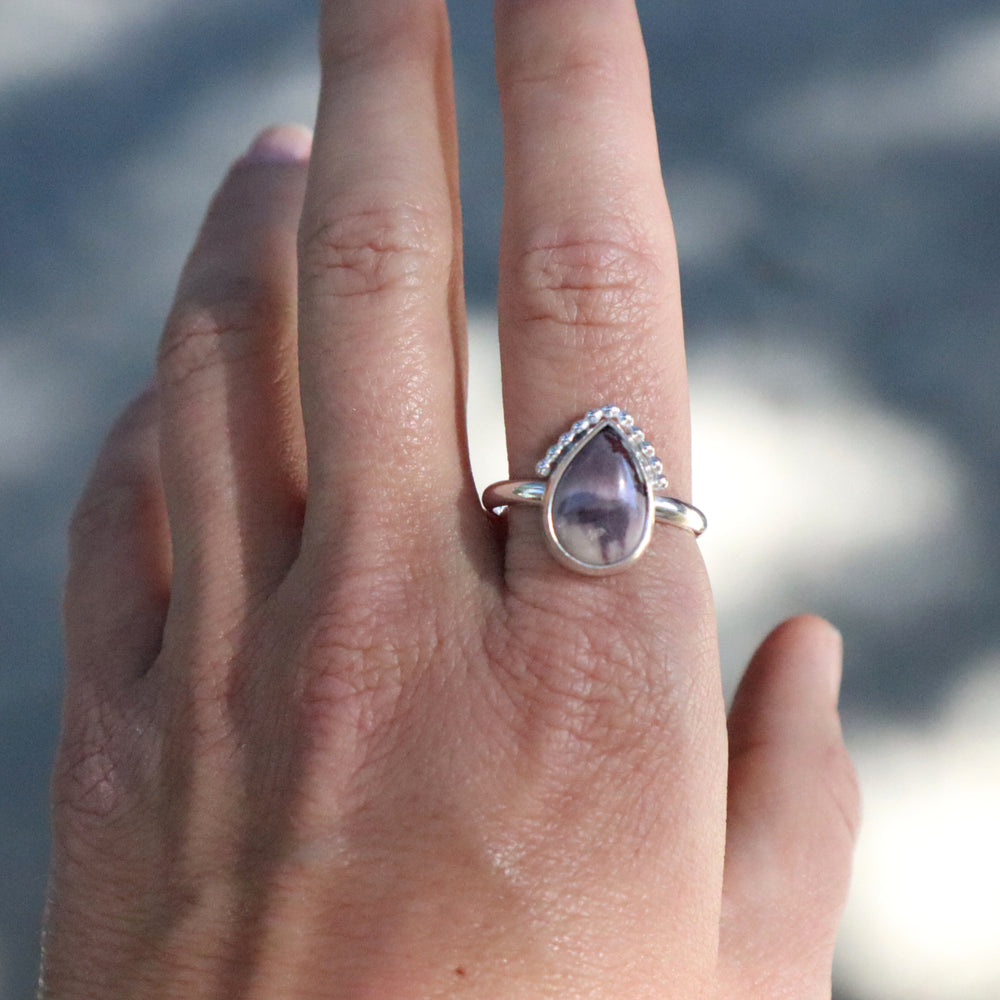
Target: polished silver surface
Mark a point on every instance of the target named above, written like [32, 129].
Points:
[669, 510]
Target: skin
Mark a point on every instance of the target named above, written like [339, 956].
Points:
[331, 731]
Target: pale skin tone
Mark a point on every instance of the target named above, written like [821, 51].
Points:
[331, 731]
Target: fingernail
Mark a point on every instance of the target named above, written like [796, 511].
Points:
[280, 144]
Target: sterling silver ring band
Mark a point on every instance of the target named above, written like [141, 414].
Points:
[669, 510]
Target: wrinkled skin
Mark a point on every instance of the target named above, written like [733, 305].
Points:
[333, 732]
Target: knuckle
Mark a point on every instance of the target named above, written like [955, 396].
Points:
[355, 666]
[586, 57]
[590, 286]
[103, 765]
[371, 642]
[353, 687]
[200, 338]
[582, 678]
[370, 253]
[586, 71]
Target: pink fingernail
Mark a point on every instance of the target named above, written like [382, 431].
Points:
[280, 144]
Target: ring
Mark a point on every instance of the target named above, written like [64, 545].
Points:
[601, 494]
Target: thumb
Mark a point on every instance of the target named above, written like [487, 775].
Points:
[793, 816]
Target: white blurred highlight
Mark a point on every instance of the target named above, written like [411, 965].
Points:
[806, 479]
[953, 94]
[924, 916]
[48, 38]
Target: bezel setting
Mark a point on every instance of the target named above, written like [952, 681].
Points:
[559, 459]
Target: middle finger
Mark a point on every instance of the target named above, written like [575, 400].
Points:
[380, 281]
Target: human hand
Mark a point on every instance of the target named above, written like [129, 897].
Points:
[331, 731]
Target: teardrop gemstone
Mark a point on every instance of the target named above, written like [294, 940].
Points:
[599, 513]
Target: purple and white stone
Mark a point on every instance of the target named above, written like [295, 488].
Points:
[599, 512]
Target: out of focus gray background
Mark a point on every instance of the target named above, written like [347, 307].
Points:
[834, 170]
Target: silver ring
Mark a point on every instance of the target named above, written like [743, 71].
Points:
[601, 492]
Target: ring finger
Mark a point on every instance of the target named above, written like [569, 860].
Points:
[590, 303]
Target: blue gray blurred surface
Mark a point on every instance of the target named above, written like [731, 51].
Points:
[834, 172]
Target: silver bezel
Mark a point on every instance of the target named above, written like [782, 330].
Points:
[566, 456]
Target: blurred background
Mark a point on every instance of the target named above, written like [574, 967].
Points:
[834, 172]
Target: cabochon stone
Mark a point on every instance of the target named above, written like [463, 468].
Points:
[599, 504]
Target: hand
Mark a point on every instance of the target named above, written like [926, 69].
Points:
[331, 731]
